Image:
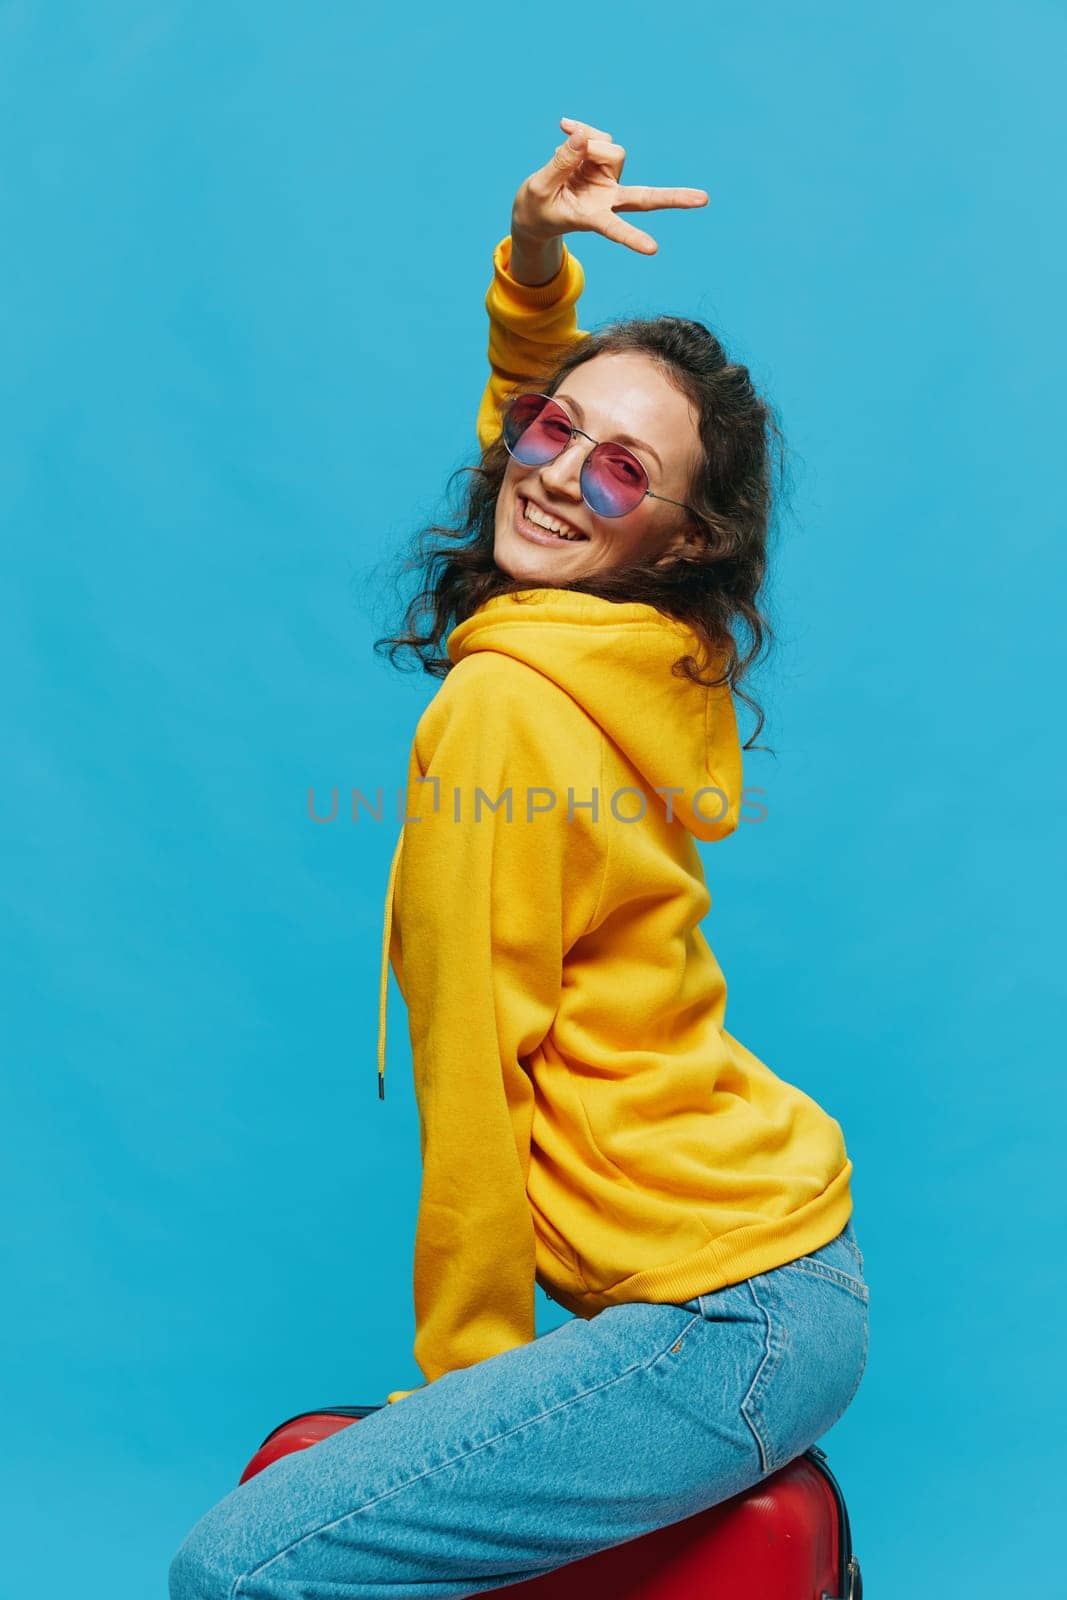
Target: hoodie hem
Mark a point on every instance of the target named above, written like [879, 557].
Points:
[744, 1253]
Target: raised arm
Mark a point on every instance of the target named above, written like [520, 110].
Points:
[529, 328]
[533, 296]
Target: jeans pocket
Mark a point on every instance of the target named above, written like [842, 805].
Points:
[840, 1261]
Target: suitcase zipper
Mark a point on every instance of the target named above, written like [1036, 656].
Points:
[321, 1411]
[850, 1577]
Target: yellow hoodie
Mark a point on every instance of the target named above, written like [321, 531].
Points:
[586, 1120]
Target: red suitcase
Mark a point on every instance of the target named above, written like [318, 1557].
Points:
[785, 1538]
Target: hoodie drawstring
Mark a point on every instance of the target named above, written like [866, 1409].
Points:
[383, 992]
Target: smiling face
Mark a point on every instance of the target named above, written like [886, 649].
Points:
[611, 396]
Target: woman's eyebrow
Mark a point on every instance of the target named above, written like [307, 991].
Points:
[620, 438]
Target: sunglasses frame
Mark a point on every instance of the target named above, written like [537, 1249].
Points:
[649, 494]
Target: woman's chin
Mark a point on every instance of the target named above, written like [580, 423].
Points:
[519, 562]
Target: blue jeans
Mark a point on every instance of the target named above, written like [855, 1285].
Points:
[593, 1434]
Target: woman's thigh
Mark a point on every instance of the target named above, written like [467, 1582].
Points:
[593, 1434]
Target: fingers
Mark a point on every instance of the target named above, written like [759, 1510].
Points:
[586, 143]
[567, 157]
[640, 197]
[580, 149]
[606, 154]
[593, 201]
[572, 125]
[613, 227]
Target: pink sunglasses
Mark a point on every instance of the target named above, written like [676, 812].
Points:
[536, 430]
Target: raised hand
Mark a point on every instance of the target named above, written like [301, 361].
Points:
[580, 190]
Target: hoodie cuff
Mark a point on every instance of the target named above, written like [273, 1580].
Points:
[559, 292]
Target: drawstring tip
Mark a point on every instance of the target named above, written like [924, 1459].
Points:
[381, 1085]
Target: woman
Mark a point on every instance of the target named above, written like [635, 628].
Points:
[587, 1122]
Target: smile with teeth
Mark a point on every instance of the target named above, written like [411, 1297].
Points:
[541, 519]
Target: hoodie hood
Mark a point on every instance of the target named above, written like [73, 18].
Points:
[614, 659]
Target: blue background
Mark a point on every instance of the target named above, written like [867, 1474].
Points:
[243, 343]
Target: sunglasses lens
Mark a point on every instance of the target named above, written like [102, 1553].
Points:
[613, 481]
[535, 429]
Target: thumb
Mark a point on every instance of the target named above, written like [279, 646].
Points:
[571, 153]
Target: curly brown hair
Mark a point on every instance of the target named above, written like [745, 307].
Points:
[712, 587]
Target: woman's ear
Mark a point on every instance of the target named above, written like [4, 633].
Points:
[685, 543]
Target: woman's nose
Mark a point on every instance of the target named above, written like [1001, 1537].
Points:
[563, 474]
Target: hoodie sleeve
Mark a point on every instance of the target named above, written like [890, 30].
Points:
[486, 908]
[529, 329]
